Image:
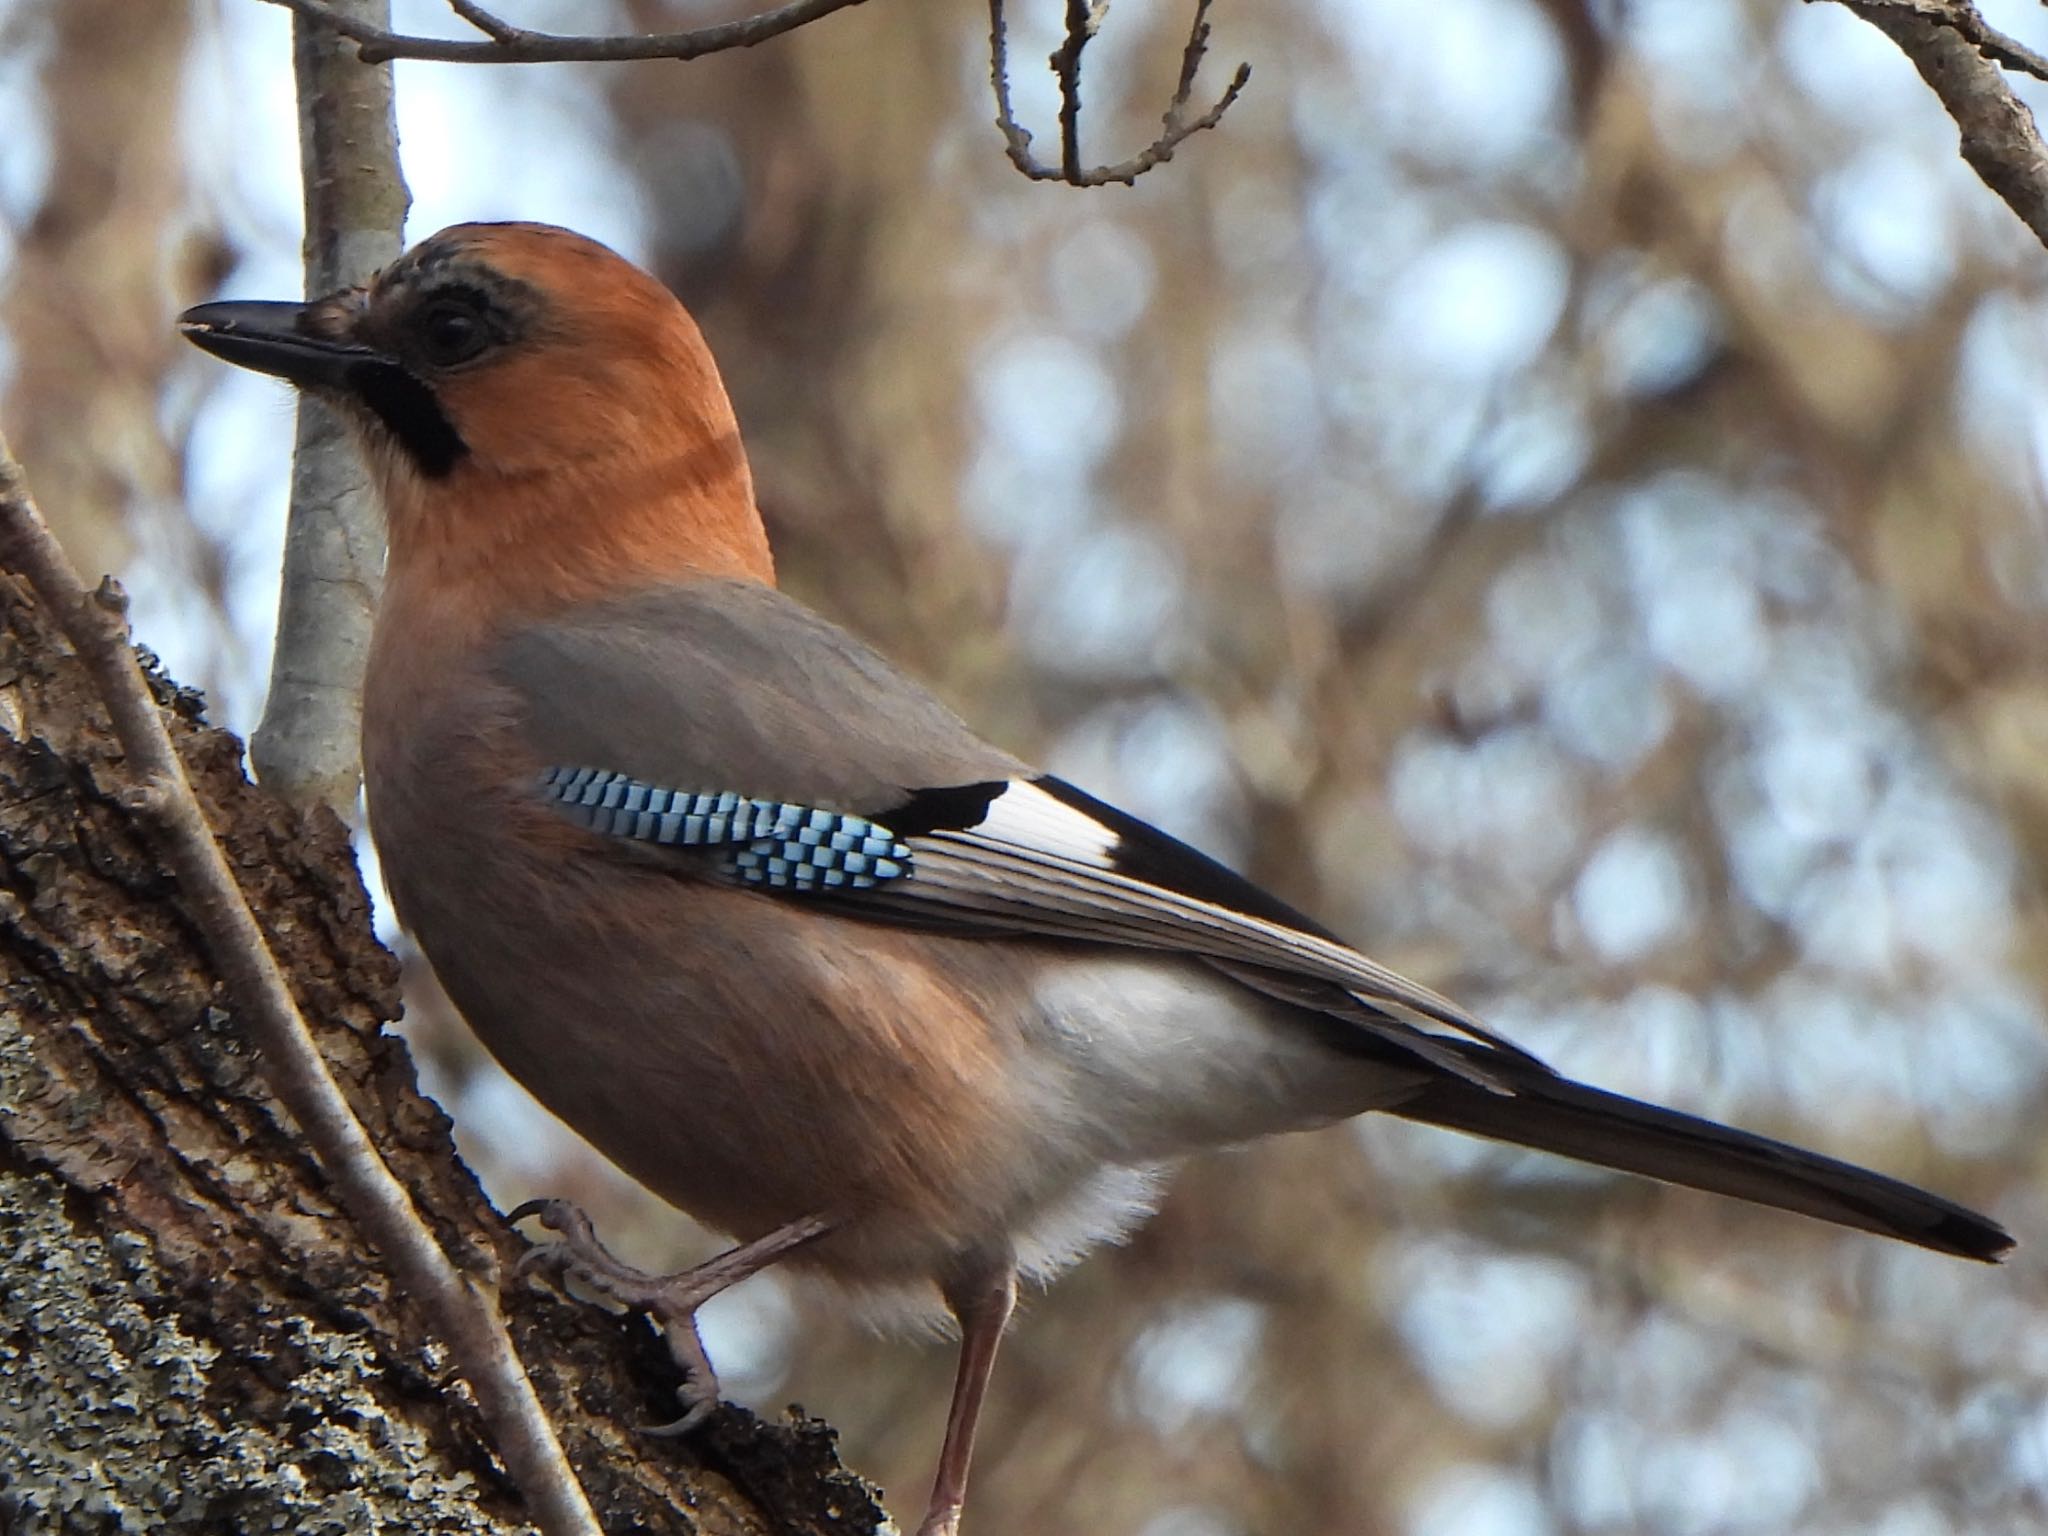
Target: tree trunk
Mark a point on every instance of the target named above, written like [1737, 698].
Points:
[193, 1336]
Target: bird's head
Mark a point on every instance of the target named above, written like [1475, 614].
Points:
[520, 385]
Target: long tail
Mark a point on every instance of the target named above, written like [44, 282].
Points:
[1554, 1114]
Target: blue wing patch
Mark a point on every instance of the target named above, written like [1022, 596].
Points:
[770, 843]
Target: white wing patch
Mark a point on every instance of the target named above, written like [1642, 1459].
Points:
[1033, 857]
[1025, 816]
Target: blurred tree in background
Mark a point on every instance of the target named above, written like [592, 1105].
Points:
[1554, 487]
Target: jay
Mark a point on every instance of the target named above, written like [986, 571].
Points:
[762, 918]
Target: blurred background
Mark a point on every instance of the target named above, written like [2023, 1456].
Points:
[1554, 487]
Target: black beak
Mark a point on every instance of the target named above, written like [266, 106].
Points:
[274, 338]
[278, 338]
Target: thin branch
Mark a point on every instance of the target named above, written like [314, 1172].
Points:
[466, 1318]
[1016, 138]
[503, 43]
[308, 746]
[495, 28]
[1083, 21]
[2002, 48]
[1962, 18]
[1959, 58]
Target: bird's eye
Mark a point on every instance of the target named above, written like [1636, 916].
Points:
[451, 331]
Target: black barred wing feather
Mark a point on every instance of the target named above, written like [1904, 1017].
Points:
[767, 843]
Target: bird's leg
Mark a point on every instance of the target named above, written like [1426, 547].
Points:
[670, 1300]
[983, 1302]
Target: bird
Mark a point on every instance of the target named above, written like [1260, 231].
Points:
[765, 920]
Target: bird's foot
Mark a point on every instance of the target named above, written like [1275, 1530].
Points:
[671, 1301]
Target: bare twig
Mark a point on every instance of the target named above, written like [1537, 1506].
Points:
[503, 43]
[1959, 58]
[1962, 18]
[2002, 48]
[491, 26]
[307, 747]
[1084, 20]
[466, 1319]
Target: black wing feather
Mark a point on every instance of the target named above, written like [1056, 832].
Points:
[1146, 854]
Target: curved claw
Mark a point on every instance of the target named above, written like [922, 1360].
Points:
[530, 1208]
[578, 1251]
[693, 1416]
[670, 1301]
[540, 1258]
[555, 1215]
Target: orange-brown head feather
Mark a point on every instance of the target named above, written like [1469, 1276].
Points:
[594, 447]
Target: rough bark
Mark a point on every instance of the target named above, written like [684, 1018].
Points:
[193, 1337]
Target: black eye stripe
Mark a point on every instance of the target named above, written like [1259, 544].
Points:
[412, 415]
[481, 310]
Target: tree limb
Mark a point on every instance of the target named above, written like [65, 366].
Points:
[466, 1318]
[1962, 18]
[504, 43]
[1958, 56]
[308, 746]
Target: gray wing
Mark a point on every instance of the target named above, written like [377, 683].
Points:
[725, 730]
[730, 686]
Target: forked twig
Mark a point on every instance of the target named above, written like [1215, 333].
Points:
[1962, 18]
[1084, 20]
[1961, 58]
